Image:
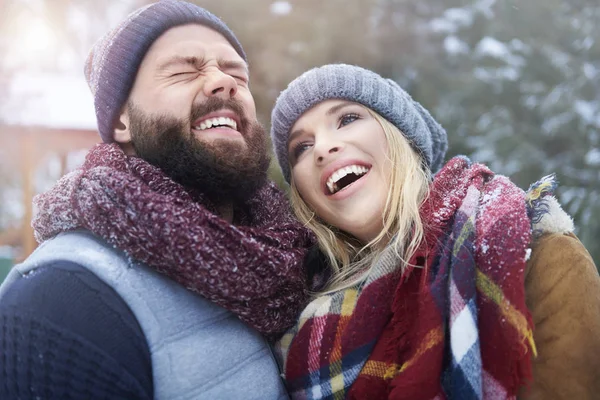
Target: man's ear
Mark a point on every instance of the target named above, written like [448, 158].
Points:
[122, 132]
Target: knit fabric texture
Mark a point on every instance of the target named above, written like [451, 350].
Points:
[352, 83]
[113, 62]
[253, 268]
[66, 335]
[456, 326]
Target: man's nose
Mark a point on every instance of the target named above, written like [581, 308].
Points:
[220, 84]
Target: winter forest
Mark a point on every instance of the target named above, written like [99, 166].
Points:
[515, 83]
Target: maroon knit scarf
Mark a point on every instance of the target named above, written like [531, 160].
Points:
[253, 268]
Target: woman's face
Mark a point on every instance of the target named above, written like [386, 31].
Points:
[338, 155]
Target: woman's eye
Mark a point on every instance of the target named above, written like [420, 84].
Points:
[347, 119]
[300, 148]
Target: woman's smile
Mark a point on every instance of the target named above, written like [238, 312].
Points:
[341, 166]
[340, 175]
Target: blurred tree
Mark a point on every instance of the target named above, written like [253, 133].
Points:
[47, 36]
[516, 84]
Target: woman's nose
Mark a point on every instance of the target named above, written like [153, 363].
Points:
[326, 149]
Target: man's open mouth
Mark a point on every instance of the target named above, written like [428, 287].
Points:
[217, 122]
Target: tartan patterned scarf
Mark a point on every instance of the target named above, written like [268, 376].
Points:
[456, 326]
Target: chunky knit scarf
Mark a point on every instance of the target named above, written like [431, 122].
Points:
[253, 268]
[456, 326]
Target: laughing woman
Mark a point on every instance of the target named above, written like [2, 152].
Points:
[431, 281]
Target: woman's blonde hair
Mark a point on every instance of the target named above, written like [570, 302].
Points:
[402, 226]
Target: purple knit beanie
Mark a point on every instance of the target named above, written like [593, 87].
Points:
[349, 82]
[113, 62]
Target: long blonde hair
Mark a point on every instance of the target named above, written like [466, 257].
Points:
[402, 226]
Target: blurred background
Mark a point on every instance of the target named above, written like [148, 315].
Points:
[515, 83]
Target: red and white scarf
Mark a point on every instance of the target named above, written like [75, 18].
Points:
[457, 327]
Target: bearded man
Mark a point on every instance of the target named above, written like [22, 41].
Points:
[168, 256]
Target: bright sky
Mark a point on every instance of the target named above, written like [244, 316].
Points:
[47, 86]
[50, 99]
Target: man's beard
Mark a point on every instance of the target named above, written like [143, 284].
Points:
[224, 170]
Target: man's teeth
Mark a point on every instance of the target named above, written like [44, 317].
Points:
[358, 170]
[221, 121]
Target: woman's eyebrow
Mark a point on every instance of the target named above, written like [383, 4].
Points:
[339, 107]
[329, 113]
[294, 134]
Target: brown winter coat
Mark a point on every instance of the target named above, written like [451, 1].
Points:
[563, 294]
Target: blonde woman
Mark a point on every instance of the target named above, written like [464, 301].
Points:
[431, 281]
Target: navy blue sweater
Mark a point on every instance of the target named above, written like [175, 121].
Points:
[65, 334]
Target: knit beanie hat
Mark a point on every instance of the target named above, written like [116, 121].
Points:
[352, 83]
[113, 62]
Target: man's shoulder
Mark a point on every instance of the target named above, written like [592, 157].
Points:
[57, 286]
[61, 308]
[79, 247]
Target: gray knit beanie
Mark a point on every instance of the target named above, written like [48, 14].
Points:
[352, 83]
[113, 62]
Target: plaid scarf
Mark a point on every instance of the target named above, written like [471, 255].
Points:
[253, 267]
[456, 326]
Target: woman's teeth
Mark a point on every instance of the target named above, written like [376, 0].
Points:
[332, 182]
[214, 122]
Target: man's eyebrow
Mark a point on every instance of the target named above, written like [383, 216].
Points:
[176, 60]
[338, 107]
[231, 64]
